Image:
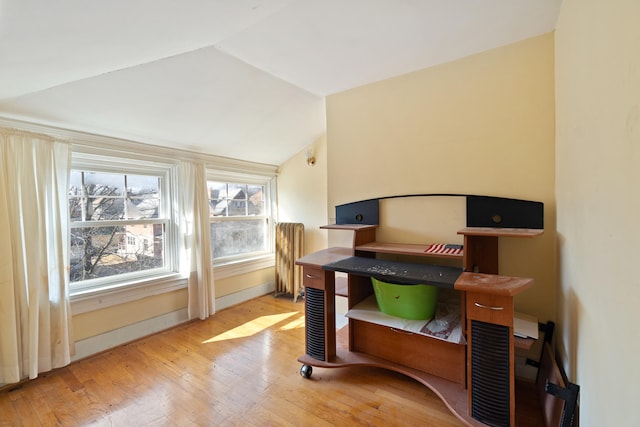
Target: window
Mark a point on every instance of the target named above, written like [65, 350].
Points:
[240, 220]
[121, 228]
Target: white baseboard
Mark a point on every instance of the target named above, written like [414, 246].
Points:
[117, 337]
[102, 342]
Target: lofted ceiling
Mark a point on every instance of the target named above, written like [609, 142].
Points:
[245, 79]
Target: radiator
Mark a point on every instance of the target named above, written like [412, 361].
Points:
[289, 247]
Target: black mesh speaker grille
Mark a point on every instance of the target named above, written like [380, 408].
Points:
[314, 322]
[490, 373]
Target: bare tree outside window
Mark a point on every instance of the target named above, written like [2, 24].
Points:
[117, 225]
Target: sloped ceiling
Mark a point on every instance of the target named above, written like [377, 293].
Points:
[244, 79]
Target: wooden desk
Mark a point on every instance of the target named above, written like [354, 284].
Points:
[476, 381]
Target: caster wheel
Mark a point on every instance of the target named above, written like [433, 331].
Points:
[306, 371]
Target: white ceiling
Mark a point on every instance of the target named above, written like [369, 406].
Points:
[244, 79]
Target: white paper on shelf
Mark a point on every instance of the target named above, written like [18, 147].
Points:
[525, 325]
[446, 326]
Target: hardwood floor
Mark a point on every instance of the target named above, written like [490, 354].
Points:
[238, 368]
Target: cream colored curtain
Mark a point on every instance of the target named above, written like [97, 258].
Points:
[34, 287]
[194, 217]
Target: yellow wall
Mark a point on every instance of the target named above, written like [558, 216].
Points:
[480, 125]
[598, 177]
[243, 282]
[97, 322]
[302, 194]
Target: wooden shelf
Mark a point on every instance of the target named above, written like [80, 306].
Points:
[403, 249]
[500, 232]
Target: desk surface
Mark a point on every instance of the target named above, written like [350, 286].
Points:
[342, 259]
[325, 256]
[403, 273]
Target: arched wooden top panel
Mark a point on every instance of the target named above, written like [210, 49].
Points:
[482, 211]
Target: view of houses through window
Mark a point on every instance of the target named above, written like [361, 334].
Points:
[117, 224]
[123, 227]
[239, 219]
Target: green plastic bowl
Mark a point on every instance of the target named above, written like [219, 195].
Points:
[413, 302]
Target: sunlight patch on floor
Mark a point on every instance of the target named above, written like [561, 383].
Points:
[294, 324]
[253, 327]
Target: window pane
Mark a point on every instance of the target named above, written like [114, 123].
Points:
[107, 251]
[103, 184]
[143, 197]
[217, 198]
[104, 209]
[218, 208]
[237, 208]
[238, 237]
[138, 208]
[237, 204]
[75, 183]
[75, 208]
[236, 191]
[217, 190]
[143, 186]
[256, 199]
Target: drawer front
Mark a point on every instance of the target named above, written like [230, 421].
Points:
[434, 356]
[313, 277]
[496, 309]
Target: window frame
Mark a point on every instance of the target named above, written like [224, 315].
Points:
[132, 165]
[242, 263]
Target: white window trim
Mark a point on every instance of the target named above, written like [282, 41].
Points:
[234, 265]
[96, 159]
